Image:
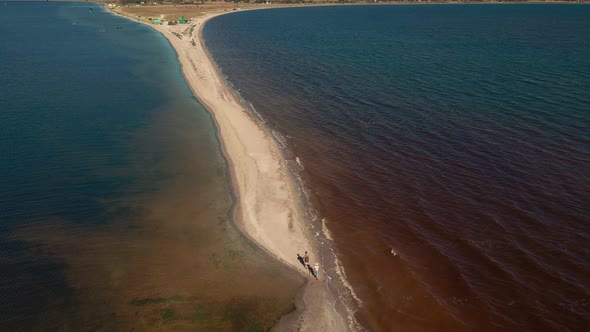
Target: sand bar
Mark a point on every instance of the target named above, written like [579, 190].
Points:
[268, 208]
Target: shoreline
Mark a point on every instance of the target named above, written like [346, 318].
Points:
[267, 208]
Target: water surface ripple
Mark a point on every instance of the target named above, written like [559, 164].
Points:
[459, 136]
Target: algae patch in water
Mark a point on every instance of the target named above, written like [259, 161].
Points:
[168, 314]
[199, 315]
[144, 301]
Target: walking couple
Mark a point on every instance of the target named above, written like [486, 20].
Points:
[305, 262]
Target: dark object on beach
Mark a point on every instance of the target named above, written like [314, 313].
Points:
[300, 259]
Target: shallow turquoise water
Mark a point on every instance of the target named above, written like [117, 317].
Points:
[114, 201]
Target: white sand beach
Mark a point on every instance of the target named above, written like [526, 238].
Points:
[268, 209]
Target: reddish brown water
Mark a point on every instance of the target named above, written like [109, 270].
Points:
[458, 136]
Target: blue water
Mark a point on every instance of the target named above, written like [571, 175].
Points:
[458, 136]
[115, 205]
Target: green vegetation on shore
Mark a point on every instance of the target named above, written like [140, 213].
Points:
[202, 2]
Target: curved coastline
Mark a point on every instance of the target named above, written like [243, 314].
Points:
[267, 209]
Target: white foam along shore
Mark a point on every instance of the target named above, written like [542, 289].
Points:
[268, 208]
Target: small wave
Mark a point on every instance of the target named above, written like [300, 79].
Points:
[299, 162]
[249, 107]
[346, 294]
[332, 267]
[279, 138]
[326, 231]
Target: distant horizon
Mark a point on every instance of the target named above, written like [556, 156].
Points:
[147, 3]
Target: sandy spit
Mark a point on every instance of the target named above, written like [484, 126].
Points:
[268, 208]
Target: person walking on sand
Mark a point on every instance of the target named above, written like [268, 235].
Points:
[306, 258]
[300, 259]
[317, 270]
[310, 269]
